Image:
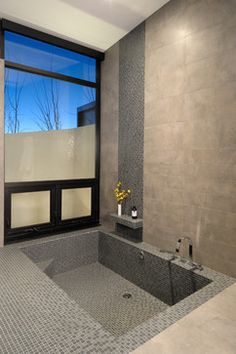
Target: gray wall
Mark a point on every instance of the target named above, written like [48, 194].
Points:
[190, 129]
[122, 123]
[109, 132]
[131, 116]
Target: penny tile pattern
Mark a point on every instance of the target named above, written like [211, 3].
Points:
[131, 116]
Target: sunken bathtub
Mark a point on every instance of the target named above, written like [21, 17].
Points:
[124, 292]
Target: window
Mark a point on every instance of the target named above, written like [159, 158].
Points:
[51, 133]
[41, 127]
[33, 53]
[37, 103]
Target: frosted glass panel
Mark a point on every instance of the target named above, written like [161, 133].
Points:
[52, 135]
[52, 155]
[30, 208]
[76, 203]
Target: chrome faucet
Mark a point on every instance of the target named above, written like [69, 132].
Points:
[190, 250]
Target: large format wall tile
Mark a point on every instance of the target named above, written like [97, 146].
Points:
[190, 129]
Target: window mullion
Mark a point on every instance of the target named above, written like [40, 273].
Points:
[32, 70]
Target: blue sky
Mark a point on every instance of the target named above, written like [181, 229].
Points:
[33, 90]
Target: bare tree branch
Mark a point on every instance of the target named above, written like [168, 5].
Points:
[47, 101]
[12, 105]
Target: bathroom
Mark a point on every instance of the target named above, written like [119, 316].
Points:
[154, 120]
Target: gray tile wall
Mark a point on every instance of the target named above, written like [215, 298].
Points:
[131, 116]
[122, 122]
[159, 277]
[190, 129]
[109, 132]
[135, 235]
[67, 253]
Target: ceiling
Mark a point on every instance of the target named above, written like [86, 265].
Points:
[97, 24]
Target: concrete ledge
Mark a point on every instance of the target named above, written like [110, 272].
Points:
[127, 220]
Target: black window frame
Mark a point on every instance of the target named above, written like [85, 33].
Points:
[55, 187]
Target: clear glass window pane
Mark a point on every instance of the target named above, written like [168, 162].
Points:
[31, 52]
[38, 103]
[30, 208]
[50, 128]
[75, 203]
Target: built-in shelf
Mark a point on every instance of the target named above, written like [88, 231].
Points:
[127, 221]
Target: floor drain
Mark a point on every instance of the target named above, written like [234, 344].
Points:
[127, 295]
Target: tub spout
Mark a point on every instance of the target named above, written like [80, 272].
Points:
[190, 249]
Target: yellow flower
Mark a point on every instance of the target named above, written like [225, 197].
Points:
[121, 194]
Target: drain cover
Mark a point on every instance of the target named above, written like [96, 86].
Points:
[127, 295]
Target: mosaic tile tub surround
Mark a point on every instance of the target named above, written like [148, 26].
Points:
[157, 275]
[64, 315]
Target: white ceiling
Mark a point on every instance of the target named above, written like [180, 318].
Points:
[95, 23]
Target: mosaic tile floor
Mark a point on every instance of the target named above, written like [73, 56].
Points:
[37, 316]
[99, 291]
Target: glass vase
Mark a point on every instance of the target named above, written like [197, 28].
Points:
[119, 210]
